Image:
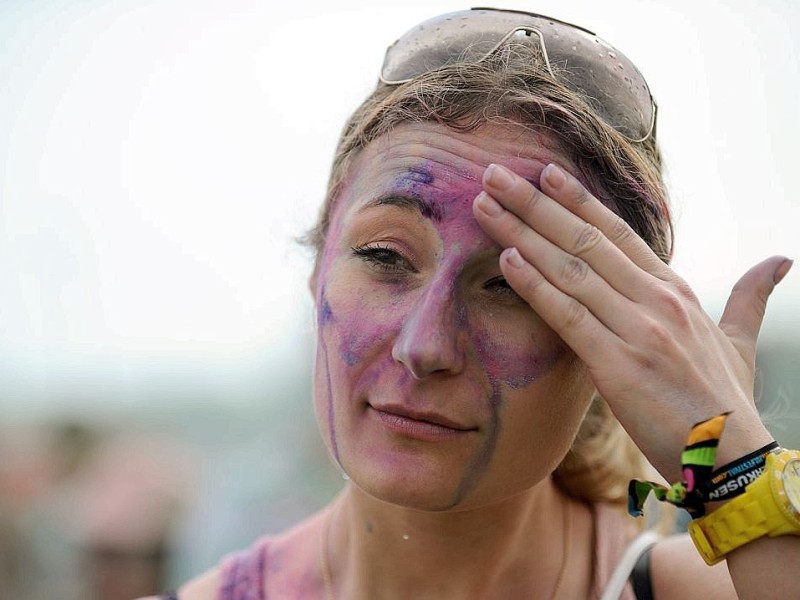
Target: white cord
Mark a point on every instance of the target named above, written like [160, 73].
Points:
[618, 579]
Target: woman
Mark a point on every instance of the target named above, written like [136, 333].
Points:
[491, 262]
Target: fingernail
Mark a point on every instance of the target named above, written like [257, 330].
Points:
[782, 270]
[498, 177]
[513, 257]
[488, 205]
[554, 176]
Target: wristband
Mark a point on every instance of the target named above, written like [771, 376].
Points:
[700, 484]
[731, 480]
[769, 507]
[697, 462]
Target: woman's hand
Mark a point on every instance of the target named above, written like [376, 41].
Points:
[656, 357]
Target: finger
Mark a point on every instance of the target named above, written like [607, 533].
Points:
[567, 231]
[744, 312]
[570, 274]
[571, 194]
[570, 319]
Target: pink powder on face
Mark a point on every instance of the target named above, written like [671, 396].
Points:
[516, 368]
[461, 235]
[363, 335]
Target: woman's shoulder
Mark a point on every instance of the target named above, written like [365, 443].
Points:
[271, 560]
[679, 572]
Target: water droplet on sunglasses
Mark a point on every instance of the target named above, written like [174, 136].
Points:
[406, 536]
[612, 55]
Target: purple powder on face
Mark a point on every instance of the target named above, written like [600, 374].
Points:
[483, 456]
[503, 365]
[417, 175]
[358, 339]
[413, 182]
[325, 317]
[325, 312]
[461, 316]
[516, 367]
[349, 348]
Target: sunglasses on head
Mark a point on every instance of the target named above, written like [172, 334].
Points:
[604, 77]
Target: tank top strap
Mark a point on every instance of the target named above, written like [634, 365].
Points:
[613, 531]
[242, 573]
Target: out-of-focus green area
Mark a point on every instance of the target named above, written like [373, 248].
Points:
[109, 503]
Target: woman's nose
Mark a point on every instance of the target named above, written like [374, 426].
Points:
[430, 340]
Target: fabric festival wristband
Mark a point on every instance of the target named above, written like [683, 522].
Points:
[697, 463]
[731, 480]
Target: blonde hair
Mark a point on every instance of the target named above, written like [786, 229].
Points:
[512, 87]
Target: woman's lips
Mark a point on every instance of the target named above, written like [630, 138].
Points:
[423, 426]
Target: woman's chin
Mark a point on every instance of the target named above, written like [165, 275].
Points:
[433, 493]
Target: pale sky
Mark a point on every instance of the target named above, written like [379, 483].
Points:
[159, 158]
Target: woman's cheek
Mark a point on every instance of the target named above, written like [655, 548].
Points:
[359, 321]
[515, 360]
[358, 339]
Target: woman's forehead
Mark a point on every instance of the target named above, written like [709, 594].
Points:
[462, 152]
[434, 156]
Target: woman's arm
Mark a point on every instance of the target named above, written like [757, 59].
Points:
[656, 357]
[678, 572]
[767, 568]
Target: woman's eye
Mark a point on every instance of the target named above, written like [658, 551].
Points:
[383, 258]
[499, 285]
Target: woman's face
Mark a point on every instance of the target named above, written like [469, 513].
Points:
[436, 386]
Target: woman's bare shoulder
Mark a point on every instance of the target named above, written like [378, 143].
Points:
[679, 573]
[202, 587]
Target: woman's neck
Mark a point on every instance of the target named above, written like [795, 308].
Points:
[515, 548]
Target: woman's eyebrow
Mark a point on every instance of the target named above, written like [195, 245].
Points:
[425, 208]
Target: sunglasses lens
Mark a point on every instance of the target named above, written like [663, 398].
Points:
[609, 82]
[604, 77]
[454, 38]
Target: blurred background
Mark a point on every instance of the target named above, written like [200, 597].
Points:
[158, 160]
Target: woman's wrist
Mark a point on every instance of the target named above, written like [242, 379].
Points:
[708, 477]
[731, 480]
[744, 433]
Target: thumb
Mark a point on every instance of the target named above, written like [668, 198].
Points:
[744, 311]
